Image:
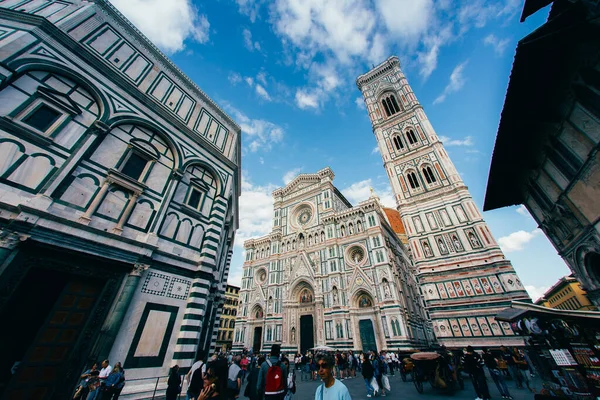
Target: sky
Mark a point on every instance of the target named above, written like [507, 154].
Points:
[285, 71]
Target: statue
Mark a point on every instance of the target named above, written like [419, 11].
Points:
[335, 295]
[456, 242]
[426, 249]
[386, 290]
[442, 246]
[473, 240]
[293, 335]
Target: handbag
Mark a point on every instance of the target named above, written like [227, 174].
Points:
[386, 383]
[374, 385]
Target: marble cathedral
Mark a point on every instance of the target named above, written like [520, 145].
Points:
[329, 273]
[464, 276]
[119, 186]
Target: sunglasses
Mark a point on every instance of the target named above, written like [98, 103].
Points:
[322, 365]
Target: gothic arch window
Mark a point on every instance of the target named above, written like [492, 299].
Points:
[322, 236]
[310, 240]
[412, 138]
[358, 226]
[350, 228]
[429, 176]
[231, 324]
[398, 142]
[390, 105]
[412, 180]
[343, 230]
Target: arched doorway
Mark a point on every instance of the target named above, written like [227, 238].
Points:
[257, 315]
[592, 265]
[367, 330]
[303, 296]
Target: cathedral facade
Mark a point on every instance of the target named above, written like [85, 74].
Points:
[119, 183]
[464, 276]
[329, 273]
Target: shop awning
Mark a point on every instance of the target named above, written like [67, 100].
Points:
[518, 310]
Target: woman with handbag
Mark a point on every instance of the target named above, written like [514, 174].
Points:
[174, 383]
[523, 367]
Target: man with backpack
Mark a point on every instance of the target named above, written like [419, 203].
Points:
[473, 364]
[272, 378]
[195, 378]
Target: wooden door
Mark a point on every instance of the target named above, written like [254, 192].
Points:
[41, 371]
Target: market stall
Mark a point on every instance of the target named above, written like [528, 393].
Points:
[563, 346]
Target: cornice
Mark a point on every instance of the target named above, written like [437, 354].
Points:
[106, 6]
[313, 178]
[382, 69]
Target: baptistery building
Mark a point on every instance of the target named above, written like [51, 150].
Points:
[329, 273]
[119, 184]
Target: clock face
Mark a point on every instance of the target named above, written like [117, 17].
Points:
[304, 217]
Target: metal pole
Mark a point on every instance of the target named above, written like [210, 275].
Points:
[155, 387]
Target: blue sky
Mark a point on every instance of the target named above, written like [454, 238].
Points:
[285, 70]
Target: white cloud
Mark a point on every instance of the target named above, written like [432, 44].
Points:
[360, 103]
[499, 45]
[517, 240]
[261, 160]
[535, 292]
[375, 150]
[307, 100]
[248, 42]
[467, 141]
[262, 77]
[260, 134]
[457, 81]
[523, 211]
[361, 191]
[256, 211]
[168, 24]
[406, 18]
[234, 78]
[262, 92]
[250, 8]
[249, 80]
[290, 175]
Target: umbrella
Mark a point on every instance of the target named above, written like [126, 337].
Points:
[323, 348]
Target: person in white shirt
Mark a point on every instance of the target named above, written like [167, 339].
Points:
[105, 371]
[193, 390]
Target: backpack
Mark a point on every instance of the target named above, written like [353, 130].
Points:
[275, 383]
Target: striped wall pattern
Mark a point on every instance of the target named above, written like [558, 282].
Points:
[191, 326]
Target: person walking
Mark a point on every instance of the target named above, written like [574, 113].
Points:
[234, 378]
[522, 367]
[174, 383]
[115, 383]
[507, 356]
[244, 365]
[195, 378]
[368, 373]
[331, 388]
[472, 364]
[251, 390]
[272, 383]
[379, 367]
[291, 379]
[498, 377]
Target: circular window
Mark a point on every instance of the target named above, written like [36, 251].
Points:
[261, 276]
[356, 254]
[304, 216]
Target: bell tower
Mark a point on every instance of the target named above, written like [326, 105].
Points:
[464, 276]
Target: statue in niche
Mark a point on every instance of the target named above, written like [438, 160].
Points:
[335, 295]
[473, 240]
[443, 247]
[427, 249]
[456, 242]
[351, 229]
[293, 335]
[386, 289]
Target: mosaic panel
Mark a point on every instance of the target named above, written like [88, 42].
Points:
[179, 289]
[156, 284]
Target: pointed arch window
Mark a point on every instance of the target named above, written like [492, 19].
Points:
[390, 105]
[429, 176]
[398, 142]
[412, 180]
[412, 138]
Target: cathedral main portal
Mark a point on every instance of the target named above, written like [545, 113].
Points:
[307, 337]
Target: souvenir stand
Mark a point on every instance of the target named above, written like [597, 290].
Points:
[563, 346]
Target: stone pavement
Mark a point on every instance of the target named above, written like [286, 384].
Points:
[406, 390]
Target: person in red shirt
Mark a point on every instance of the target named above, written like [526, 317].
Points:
[244, 365]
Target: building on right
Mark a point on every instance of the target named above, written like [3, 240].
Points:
[546, 152]
[566, 294]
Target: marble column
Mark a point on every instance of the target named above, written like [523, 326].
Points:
[87, 216]
[115, 318]
[132, 201]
